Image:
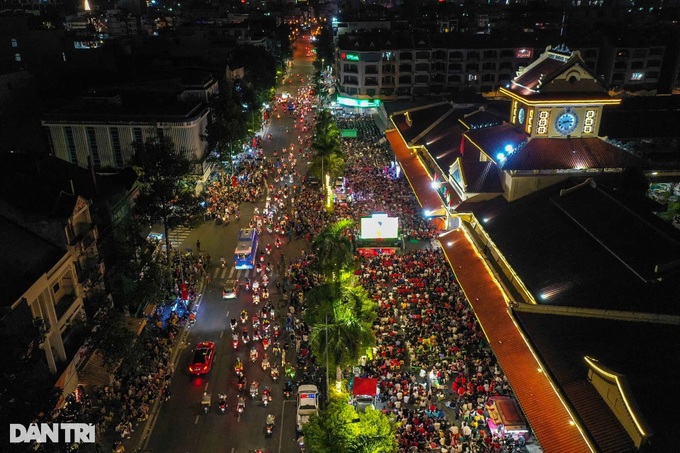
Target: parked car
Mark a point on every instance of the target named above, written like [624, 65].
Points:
[204, 355]
[307, 404]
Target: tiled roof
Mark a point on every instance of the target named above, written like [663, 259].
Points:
[528, 81]
[482, 177]
[415, 172]
[545, 412]
[633, 349]
[493, 140]
[421, 119]
[569, 153]
[563, 264]
[481, 118]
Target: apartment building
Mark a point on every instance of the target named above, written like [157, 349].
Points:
[388, 65]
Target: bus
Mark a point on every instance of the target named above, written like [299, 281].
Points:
[246, 249]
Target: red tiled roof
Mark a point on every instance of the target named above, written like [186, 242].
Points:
[417, 174]
[493, 140]
[568, 153]
[527, 82]
[542, 407]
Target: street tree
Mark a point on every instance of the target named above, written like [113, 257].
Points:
[340, 429]
[227, 125]
[332, 165]
[111, 337]
[166, 191]
[332, 248]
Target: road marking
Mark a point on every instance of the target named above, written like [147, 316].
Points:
[206, 386]
[283, 410]
[221, 334]
[223, 273]
[196, 421]
[217, 269]
[231, 273]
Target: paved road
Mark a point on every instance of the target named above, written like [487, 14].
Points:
[181, 425]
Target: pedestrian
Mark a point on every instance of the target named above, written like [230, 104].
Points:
[198, 245]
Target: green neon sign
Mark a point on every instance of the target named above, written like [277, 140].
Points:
[363, 103]
[351, 57]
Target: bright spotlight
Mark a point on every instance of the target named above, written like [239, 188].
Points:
[509, 148]
[500, 157]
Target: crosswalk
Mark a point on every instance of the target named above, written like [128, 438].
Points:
[177, 237]
[232, 273]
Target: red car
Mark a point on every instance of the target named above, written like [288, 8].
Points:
[204, 354]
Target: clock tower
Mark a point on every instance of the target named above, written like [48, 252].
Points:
[557, 96]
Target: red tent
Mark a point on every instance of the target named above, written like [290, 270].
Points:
[365, 387]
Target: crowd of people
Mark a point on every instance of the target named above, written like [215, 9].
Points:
[430, 351]
[224, 197]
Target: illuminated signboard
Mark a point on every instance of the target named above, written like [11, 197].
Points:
[379, 226]
[349, 56]
[363, 103]
[524, 53]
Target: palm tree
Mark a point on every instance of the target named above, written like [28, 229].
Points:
[332, 165]
[333, 249]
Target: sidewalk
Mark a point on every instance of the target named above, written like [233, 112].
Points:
[140, 429]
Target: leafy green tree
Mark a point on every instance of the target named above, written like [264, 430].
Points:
[339, 334]
[326, 134]
[27, 390]
[227, 125]
[333, 249]
[111, 337]
[332, 165]
[325, 49]
[340, 429]
[166, 192]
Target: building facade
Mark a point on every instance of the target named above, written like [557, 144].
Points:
[105, 140]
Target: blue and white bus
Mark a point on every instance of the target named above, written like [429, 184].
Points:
[246, 249]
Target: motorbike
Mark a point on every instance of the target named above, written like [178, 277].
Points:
[288, 389]
[290, 371]
[223, 262]
[265, 294]
[254, 390]
[256, 335]
[270, 425]
[265, 280]
[256, 321]
[256, 299]
[253, 354]
[244, 336]
[269, 249]
[234, 340]
[256, 286]
[278, 244]
[244, 317]
[241, 406]
[238, 367]
[205, 402]
[241, 384]
[274, 373]
[265, 343]
[223, 402]
[265, 362]
[233, 324]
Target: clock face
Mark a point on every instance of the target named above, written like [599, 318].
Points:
[521, 115]
[566, 122]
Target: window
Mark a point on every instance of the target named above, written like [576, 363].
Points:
[56, 287]
[405, 68]
[71, 145]
[17, 57]
[371, 69]
[15, 43]
[94, 149]
[137, 134]
[637, 76]
[423, 67]
[115, 143]
[405, 56]
[371, 81]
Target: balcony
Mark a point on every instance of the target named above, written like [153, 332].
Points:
[64, 304]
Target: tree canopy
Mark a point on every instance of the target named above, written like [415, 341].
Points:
[340, 429]
[227, 126]
[166, 192]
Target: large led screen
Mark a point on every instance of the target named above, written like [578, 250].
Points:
[379, 226]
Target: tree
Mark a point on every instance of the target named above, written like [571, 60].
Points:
[332, 165]
[227, 125]
[340, 314]
[111, 337]
[333, 249]
[139, 275]
[340, 429]
[166, 194]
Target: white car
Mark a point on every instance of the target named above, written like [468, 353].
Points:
[307, 404]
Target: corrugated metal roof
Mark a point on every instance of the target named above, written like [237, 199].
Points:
[543, 408]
